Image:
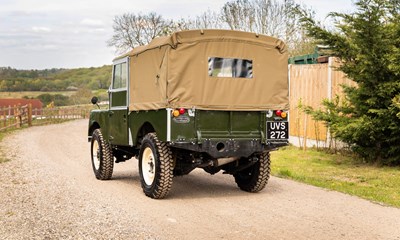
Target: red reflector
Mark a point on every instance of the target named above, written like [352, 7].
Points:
[182, 110]
[278, 113]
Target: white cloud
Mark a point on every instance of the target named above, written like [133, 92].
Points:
[41, 29]
[73, 33]
[92, 22]
[98, 31]
[38, 47]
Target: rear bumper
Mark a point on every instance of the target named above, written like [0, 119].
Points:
[230, 147]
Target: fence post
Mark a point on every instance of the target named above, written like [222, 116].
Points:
[30, 115]
[17, 114]
[11, 119]
[330, 66]
[5, 116]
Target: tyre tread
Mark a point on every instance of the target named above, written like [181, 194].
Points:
[164, 184]
[259, 180]
[105, 170]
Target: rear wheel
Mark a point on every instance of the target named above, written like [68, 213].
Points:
[155, 167]
[254, 178]
[102, 158]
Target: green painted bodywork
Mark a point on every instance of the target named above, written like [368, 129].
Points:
[157, 119]
[118, 98]
[219, 125]
[118, 126]
[99, 119]
[203, 125]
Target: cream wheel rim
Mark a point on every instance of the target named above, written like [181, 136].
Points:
[96, 155]
[148, 166]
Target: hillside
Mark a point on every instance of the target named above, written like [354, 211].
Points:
[12, 80]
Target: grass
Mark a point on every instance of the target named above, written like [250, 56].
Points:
[340, 173]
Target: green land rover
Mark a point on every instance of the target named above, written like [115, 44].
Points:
[210, 99]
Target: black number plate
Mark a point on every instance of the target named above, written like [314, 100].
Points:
[277, 130]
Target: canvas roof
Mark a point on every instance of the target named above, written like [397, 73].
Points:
[173, 72]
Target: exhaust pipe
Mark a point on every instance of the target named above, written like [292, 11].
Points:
[222, 161]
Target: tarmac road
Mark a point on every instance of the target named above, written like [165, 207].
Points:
[48, 191]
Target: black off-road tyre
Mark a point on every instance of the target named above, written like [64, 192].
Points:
[211, 170]
[255, 178]
[102, 158]
[155, 167]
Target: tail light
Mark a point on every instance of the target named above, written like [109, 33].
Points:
[178, 112]
[280, 113]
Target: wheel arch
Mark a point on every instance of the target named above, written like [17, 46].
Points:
[146, 128]
[93, 126]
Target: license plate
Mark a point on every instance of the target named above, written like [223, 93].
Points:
[277, 130]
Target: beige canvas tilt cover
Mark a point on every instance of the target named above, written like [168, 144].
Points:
[178, 71]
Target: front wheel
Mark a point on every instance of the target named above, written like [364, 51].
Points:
[102, 158]
[155, 167]
[254, 178]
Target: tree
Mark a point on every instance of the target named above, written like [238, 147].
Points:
[132, 30]
[270, 17]
[207, 20]
[239, 15]
[367, 42]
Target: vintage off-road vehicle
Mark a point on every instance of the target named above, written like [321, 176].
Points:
[211, 99]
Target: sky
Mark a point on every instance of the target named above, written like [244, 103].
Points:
[40, 34]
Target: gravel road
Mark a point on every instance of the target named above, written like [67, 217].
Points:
[48, 191]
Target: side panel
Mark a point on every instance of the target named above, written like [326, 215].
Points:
[157, 119]
[118, 126]
[100, 118]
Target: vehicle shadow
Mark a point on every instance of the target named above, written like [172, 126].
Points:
[213, 186]
[199, 184]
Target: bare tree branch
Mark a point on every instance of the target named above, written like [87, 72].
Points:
[132, 30]
[275, 18]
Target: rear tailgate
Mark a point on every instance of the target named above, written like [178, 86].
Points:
[230, 124]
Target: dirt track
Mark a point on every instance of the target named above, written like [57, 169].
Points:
[48, 191]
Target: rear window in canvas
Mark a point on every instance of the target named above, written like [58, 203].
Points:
[230, 67]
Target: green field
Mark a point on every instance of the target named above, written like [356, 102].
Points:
[340, 173]
[32, 94]
[60, 98]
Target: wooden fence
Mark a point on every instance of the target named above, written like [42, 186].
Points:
[15, 116]
[18, 116]
[309, 85]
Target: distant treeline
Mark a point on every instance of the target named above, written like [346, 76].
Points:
[55, 79]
